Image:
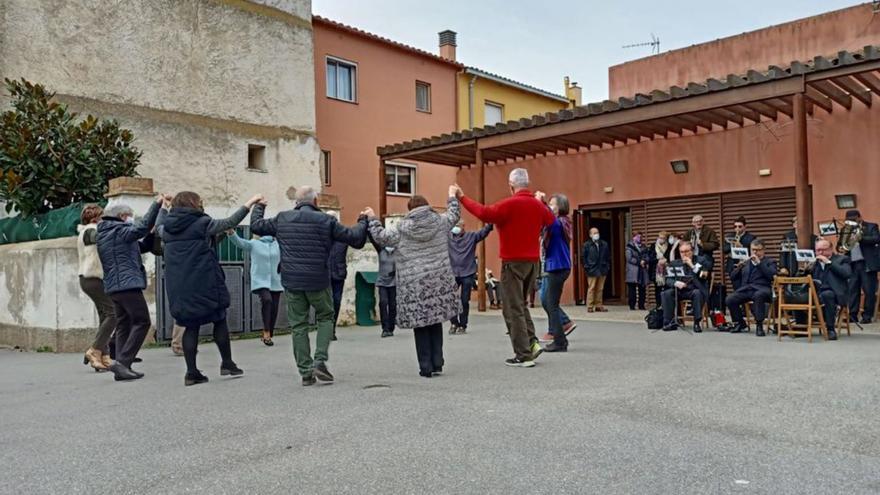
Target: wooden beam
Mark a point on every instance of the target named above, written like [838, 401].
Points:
[638, 130]
[700, 123]
[728, 115]
[680, 123]
[870, 81]
[746, 112]
[802, 173]
[481, 269]
[780, 105]
[765, 110]
[713, 118]
[833, 92]
[707, 101]
[439, 147]
[854, 89]
[818, 99]
[847, 70]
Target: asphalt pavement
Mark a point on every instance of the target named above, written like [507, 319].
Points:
[625, 411]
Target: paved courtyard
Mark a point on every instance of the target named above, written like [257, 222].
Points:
[625, 411]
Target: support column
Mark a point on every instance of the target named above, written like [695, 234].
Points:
[481, 268]
[383, 197]
[802, 192]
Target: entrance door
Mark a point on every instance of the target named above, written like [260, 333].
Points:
[613, 225]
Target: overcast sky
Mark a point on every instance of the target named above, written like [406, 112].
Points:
[539, 42]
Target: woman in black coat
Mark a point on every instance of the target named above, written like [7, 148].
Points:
[194, 279]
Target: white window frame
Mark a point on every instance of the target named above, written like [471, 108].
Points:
[354, 80]
[489, 103]
[427, 85]
[412, 174]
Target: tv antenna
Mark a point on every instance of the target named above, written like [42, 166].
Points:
[654, 44]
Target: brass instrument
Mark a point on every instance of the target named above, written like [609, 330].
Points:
[849, 236]
[734, 240]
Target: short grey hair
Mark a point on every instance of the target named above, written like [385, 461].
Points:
[519, 177]
[305, 194]
[696, 217]
[118, 210]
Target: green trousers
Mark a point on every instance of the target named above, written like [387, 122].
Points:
[298, 303]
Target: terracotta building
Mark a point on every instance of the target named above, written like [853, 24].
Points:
[760, 135]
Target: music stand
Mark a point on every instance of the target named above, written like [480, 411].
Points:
[676, 273]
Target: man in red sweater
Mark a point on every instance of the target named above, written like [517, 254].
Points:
[519, 220]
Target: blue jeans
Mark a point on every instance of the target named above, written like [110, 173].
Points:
[467, 286]
[543, 284]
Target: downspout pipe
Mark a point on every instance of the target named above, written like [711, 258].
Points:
[471, 101]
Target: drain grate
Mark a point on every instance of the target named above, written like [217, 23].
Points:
[377, 386]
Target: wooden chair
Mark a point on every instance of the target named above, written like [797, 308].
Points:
[790, 327]
[685, 305]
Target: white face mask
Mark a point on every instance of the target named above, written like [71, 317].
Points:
[456, 230]
[129, 220]
[389, 249]
[595, 237]
[672, 239]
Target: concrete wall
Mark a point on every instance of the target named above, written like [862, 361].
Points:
[846, 29]
[844, 157]
[196, 80]
[385, 112]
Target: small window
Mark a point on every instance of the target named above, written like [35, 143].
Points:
[256, 158]
[400, 179]
[423, 96]
[325, 167]
[341, 80]
[494, 113]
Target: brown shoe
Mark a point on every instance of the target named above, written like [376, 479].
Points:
[93, 359]
[590, 310]
[602, 309]
[105, 358]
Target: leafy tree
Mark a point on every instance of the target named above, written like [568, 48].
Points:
[49, 158]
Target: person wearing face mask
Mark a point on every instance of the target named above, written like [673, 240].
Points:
[741, 238]
[636, 272]
[597, 263]
[265, 255]
[125, 280]
[194, 280]
[462, 256]
[386, 285]
[831, 273]
[654, 254]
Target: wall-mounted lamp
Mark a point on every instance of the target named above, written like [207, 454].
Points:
[679, 166]
[764, 172]
[845, 201]
[609, 189]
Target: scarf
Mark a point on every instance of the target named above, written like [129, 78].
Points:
[660, 249]
[565, 222]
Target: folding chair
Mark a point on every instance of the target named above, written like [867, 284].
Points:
[791, 327]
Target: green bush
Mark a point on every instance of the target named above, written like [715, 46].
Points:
[49, 158]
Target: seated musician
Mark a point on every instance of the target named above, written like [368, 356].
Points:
[693, 286]
[754, 279]
[831, 274]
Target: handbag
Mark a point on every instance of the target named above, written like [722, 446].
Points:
[797, 293]
[654, 319]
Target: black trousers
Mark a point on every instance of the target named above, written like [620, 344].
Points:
[668, 301]
[337, 286]
[132, 324]
[829, 307]
[632, 290]
[759, 296]
[466, 285]
[388, 307]
[269, 302]
[191, 344]
[494, 294]
[862, 280]
[429, 347]
[658, 292]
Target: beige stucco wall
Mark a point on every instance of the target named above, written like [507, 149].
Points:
[196, 80]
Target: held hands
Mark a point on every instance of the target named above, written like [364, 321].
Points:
[230, 232]
[455, 191]
[257, 198]
[540, 196]
[369, 213]
[164, 200]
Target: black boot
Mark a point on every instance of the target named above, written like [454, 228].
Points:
[194, 378]
[122, 372]
[832, 335]
[697, 327]
[670, 326]
[739, 327]
[759, 330]
[230, 369]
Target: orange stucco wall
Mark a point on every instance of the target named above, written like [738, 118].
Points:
[384, 113]
[847, 29]
[844, 155]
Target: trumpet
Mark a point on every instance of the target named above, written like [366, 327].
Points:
[734, 240]
[849, 237]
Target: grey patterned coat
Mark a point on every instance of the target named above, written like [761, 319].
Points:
[426, 291]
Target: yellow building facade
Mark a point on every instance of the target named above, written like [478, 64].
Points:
[486, 99]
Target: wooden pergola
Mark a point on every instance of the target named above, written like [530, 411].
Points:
[716, 105]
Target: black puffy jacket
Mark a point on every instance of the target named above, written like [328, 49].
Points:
[120, 252]
[194, 280]
[306, 235]
[337, 262]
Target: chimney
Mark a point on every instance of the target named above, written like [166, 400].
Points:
[447, 44]
[572, 92]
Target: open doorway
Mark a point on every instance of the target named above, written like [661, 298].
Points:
[615, 226]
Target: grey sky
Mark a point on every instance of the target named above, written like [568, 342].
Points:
[539, 43]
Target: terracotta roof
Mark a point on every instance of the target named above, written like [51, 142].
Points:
[752, 77]
[516, 84]
[376, 37]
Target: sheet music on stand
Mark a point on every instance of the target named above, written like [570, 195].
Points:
[805, 255]
[739, 253]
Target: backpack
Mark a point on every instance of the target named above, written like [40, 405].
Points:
[654, 319]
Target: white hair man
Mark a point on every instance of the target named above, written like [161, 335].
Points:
[306, 235]
[519, 220]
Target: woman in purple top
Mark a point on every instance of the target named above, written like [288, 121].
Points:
[557, 265]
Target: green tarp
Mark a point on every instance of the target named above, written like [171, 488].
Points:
[52, 225]
[365, 298]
